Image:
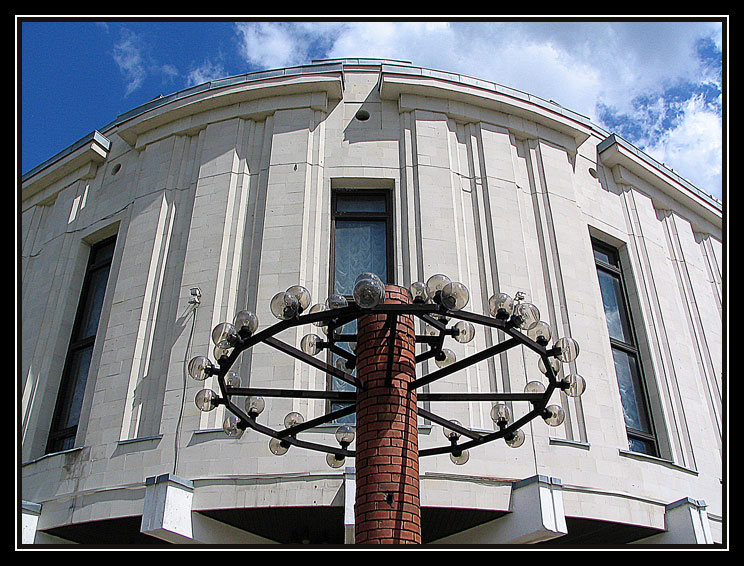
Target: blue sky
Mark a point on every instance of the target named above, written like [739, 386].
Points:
[658, 84]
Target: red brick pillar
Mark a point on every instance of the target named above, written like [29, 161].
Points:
[387, 509]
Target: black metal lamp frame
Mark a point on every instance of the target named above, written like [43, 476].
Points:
[430, 313]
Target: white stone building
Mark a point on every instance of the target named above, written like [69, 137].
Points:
[232, 187]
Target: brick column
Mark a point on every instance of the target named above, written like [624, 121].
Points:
[387, 509]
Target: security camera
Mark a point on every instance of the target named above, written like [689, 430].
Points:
[195, 296]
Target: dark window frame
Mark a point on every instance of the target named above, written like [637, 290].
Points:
[614, 268]
[59, 437]
[388, 217]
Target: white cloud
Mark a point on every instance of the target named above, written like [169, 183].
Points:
[205, 72]
[128, 56]
[693, 147]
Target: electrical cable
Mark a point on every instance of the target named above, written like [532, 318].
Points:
[177, 435]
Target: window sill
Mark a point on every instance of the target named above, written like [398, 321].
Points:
[655, 460]
[45, 456]
[565, 442]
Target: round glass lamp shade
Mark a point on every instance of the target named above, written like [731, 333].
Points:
[516, 439]
[246, 321]
[460, 458]
[219, 352]
[224, 335]
[534, 387]
[254, 405]
[501, 305]
[293, 419]
[576, 385]
[319, 307]
[500, 413]
[465, 331]
[278, 447]
[334, 461]
[554, 415]
[336, 301]
[199, 368]
[455, 296]
[285, 306]
[310, 344]
[528, 314]
[435, 284]
[345, 435]
[555, 365]
[231, 428]
[418, 292]
[540, 332]
[302, 294]
[450, 434]
[569, 349]
[206, 400]
[448, 358]
[232, 379]
[369, 291]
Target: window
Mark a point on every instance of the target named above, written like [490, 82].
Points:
[633, 391]
[361, 240]
[80, 350]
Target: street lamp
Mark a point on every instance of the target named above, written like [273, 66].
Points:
[437, 302]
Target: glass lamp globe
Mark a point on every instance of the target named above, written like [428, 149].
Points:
[278, 447]
[534, 387]
[232, 379]
[500, 413]
[576, 385]
[369, 290]
[246, 320]
[554, 415]
[569, 349]
[516, 439]
[461, 458]
[529, 315]
[418, 291]
[310, 344]
[285, 306]
[319, 307]
[334, 461]
[293, 419]
[448, 358]
[555, 365]
[501, 306]
[302, 294]
[540, 333]
[450, 434]
[219, 352]
[455, 296]
[435, 284]
[224, 335]
[200, 368]
[206, 400]
[231, 428]
[336, 301]
[254, 405]
[465, 331]
[345, 435]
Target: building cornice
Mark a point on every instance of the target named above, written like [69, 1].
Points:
[622, 158]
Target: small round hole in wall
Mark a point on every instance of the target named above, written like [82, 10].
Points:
[362, 115]
[593, 172]
[115, 169]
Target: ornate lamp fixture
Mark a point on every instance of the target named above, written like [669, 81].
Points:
[437, 302]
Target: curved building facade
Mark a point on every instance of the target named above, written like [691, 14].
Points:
[139, 239]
